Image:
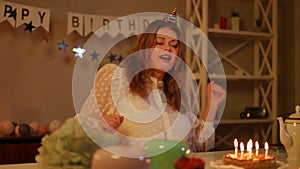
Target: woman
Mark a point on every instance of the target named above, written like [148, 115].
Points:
[155, 63]
[141, 99]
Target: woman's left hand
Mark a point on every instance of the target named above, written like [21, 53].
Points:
[111, 122]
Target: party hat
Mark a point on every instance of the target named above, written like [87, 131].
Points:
[172, 17]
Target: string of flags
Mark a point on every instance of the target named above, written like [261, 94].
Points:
[79, 52]
[84, 24]
[19, 14]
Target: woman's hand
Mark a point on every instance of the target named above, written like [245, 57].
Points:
[111, 122]
[215, 93]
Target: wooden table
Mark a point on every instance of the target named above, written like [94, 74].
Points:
[217, 155]
[207, 156]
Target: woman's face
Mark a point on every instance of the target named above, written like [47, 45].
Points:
[165, 53]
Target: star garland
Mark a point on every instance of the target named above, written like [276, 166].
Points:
[94, 55]
[79, 52]
[29, 27]
[13, 14]
[62, 45]
[112, 57]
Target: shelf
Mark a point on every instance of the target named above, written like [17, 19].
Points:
[246, 121]
[239, 34]
[238, 77]
[249, 56]
[20, 139]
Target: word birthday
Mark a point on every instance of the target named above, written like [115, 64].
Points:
[85, 24]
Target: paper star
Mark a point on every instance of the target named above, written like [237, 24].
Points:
[62, 46]
[112, 57]
[120, 58]
[29, 26]
[13, 14]
[79, 52]
[94, 55]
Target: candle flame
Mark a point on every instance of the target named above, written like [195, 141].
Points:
[266, 146]
[242, 146]
[256, 145]
[249, 145]
[236, 143]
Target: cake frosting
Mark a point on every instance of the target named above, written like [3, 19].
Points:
[254, 162]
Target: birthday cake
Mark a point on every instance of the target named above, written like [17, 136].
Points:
[254, 161]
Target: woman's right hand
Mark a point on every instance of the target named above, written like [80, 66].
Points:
[111, 122]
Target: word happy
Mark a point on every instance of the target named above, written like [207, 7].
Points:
[17, 15]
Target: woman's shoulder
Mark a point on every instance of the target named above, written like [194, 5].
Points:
[108, 67]
[110, 70]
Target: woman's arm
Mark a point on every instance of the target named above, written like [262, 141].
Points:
[215, 95]
[99, 109]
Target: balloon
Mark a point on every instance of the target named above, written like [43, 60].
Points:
[17, 133]
[42, 130]
[6, 127]
[54, 125]
[35, 127]
[24, 129]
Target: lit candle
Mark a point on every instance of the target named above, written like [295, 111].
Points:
[256, 148]
[242, 149]
[236, 144]
[266, 149]
[249, 148]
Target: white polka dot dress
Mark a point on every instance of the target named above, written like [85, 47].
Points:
[142, 119]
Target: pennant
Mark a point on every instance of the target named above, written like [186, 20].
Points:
[91, 24]
[105, 27]
[75, 23]
[126, 26]
[8, 12]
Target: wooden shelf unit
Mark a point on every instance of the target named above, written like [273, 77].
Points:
[263, 54]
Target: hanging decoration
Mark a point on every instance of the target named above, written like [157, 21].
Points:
[19, 14]
[29, 27]
[79, 52]
[84, 24]
[94, 55]
[13, 14]
[112, 57]
[115, 58]
[120, 58]
[62, 45]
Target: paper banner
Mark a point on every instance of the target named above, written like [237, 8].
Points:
[92, 23]
[18, 14]
[75, 23]
[85, 24]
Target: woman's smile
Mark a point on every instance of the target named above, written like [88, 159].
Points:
[165, 57]
[166, 49]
